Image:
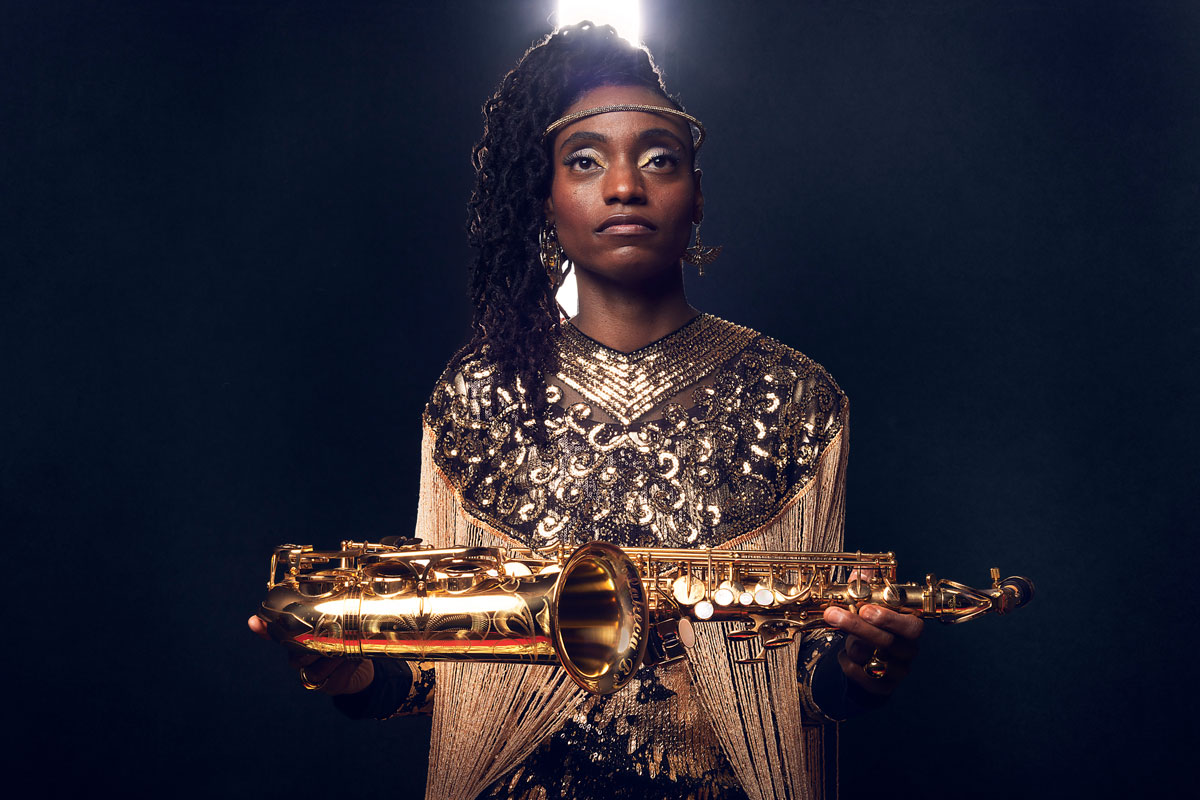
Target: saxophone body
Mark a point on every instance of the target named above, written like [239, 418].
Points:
[599, 611]
[587, 612]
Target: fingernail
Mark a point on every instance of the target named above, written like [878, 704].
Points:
[871, 613]
[834, 614]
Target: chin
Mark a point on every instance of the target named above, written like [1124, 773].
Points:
[632, 272]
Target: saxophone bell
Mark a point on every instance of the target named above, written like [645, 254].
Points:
[600, 618]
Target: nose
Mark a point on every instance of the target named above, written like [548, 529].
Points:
[623, 184]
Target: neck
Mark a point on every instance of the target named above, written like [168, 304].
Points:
[628, 317]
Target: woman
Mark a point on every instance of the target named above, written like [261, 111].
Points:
[640, 421]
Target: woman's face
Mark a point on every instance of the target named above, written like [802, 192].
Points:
[624, 194]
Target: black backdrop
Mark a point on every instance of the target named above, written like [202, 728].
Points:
[233, 252]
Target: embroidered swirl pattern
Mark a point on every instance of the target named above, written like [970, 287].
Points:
[741, 430]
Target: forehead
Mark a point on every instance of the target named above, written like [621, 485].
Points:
[619, 120]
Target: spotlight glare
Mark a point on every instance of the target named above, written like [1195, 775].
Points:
[623, 15]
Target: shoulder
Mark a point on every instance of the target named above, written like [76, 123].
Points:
[462, 377]
[791, 388]
[801, 378]
[470, 388]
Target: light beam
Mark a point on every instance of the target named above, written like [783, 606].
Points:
[624, 15]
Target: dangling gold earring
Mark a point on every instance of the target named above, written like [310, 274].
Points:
[700, 256]
[550, 253]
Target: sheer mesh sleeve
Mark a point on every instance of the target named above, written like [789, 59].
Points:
[400, 688]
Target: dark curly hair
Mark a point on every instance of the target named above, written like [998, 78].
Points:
[514, 308]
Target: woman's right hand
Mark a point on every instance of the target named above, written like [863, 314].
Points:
[332, 675]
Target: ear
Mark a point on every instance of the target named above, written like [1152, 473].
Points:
[548, 208]
[698, 202]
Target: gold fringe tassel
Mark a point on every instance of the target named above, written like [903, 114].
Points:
[755, 711]
[488, 718]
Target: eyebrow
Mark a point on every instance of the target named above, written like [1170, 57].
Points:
[583, 136]
[592, 136]
[654, 133]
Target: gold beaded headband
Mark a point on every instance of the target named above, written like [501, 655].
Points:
[591, 112]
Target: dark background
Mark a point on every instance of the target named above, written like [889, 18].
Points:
[233, 264]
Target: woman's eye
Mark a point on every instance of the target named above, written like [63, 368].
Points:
[660, 161]
[581, 162]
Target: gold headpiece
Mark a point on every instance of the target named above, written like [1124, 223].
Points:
[591, 112]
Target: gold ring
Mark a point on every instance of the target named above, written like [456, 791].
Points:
[308, 684]
[876, 666]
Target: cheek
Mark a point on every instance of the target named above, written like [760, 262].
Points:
[571, 218]
[682, 228]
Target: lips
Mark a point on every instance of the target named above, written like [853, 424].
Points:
[626, 225]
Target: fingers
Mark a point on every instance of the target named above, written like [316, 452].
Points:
[875, 628]
[259, 627]
[880, 626]
[859, 650]
[906, 626]
[843, 620]
[876, 632]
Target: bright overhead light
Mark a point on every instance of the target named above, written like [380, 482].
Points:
[623, 15]
[626, 17]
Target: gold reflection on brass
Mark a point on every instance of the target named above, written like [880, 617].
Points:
[600, 612]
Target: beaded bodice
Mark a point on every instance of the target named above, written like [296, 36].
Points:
[693, 440]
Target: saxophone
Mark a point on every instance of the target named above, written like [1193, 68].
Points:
[599, 611]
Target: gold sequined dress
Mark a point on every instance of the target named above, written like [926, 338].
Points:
[714, 435]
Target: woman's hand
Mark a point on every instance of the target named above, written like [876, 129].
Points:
[331, 675]
[889, 636]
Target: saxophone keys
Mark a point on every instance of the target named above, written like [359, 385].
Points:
[458, 582]
[388, 578]
[798, 594]
[687, 635]
[858, 589]
[749, 632]
[773, 591]
[729, 593]
[687, 590]
[773, 636]
[675, 637]
[517, 569]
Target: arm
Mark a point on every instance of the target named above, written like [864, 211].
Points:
[400, 688]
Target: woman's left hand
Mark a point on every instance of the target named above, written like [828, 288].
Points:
[889, 636]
